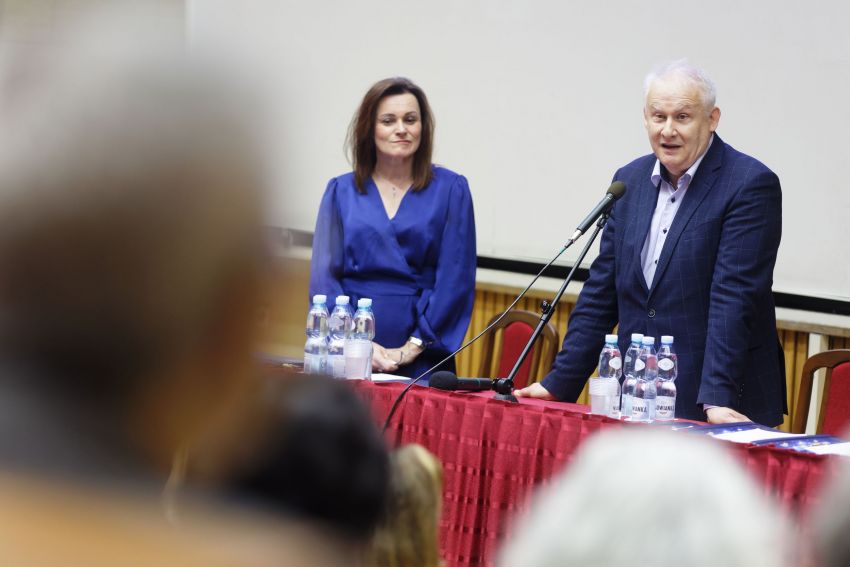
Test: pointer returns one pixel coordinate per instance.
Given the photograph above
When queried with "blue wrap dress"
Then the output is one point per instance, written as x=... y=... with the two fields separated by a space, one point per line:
x=418 y=267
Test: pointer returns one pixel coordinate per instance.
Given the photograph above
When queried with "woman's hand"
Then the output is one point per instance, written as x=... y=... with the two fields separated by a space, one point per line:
x=382 y=360
x=404 y=354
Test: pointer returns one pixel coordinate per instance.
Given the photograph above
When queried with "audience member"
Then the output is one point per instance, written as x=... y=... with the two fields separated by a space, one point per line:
x=325 y=461
x=649 y=497
x=408 y=533
x=830 y=520
x=131 y=262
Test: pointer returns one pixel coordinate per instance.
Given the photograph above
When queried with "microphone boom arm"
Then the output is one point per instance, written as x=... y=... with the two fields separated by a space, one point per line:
x=504 y=386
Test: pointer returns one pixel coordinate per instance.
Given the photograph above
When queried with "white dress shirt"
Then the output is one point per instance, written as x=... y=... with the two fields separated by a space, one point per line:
x=669 y=199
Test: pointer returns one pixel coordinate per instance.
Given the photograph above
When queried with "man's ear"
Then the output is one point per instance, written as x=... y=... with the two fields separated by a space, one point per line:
x=714 y=118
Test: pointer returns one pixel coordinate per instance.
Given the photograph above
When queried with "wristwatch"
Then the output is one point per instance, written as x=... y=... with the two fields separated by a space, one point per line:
x=417 y=342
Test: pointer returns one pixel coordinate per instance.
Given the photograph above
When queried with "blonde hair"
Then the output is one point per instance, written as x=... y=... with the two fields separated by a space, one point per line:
x=408 y=533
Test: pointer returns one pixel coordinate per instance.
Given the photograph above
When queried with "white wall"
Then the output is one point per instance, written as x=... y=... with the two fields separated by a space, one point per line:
x=538 y=102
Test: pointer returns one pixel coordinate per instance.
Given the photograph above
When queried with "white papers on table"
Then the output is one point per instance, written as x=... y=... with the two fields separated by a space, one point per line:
x=834 y=449
x=755 y=434
x=379 y=377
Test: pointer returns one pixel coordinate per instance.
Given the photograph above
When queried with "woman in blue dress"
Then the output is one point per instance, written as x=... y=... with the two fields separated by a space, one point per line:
x=400 y=230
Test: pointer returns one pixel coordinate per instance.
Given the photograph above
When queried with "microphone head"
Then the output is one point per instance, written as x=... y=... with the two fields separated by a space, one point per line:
x=617 y=189
x=444 y=380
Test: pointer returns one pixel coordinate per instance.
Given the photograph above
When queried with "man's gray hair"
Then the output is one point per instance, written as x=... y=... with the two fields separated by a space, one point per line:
x=682 y=69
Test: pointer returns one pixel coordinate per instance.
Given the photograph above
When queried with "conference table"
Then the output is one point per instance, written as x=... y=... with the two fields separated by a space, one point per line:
x=495 y=454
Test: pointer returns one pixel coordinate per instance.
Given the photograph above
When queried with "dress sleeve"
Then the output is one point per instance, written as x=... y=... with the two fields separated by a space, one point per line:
x=444 y=312
x=328 y=250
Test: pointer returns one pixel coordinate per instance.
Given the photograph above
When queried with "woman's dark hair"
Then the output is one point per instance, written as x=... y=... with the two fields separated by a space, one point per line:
x=325 y=459
x=361 y=132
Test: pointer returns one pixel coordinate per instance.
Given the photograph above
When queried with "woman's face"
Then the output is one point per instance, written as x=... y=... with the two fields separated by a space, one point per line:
x=398 y=126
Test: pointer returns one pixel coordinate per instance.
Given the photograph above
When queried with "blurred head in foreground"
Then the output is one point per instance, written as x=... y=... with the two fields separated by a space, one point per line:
x=831 y=519
x=130 y=253
x=324 y=460
x=651 y=498
x=408 y=533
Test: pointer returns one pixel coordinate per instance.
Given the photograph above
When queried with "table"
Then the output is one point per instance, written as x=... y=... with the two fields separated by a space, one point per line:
x=495 y=453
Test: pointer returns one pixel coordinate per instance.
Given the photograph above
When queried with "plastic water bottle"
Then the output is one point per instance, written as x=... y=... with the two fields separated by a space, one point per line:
x=340 y=325
x=316 y=347
x=668 y=368
x=629 y=378
x=358 y=348
x=605 y=388
x=646 y=372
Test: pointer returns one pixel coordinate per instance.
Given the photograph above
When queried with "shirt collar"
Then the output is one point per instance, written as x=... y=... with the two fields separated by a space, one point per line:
x=685 y=180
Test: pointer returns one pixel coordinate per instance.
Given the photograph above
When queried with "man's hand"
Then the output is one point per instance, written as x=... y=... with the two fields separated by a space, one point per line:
x=536 y=390
x=724 y=415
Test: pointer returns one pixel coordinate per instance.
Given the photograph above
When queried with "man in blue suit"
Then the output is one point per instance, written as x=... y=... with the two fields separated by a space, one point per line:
x=688 y=251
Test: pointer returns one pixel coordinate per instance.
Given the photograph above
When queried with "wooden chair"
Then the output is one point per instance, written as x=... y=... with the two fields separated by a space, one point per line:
x=512 y=333
x=834 y=414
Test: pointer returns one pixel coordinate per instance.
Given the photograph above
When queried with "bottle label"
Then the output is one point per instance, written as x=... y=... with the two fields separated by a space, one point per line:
x=665 y=364
x=616 y=363
x=615 y=407
x=665 y=408
x=639 y=365
x=640 y=410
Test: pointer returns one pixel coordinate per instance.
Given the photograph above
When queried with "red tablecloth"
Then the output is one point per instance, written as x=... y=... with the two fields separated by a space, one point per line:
x=494 y=454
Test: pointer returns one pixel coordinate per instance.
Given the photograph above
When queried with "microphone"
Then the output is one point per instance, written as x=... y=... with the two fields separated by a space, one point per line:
x=445 y=380
x=615 y=191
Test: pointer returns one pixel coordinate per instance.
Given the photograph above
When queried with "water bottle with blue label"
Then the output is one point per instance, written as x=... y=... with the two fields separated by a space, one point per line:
x=668 y=367
x=605 y=388
x=646 y=372
x=316 y=347
x=629 y=377
x=340 y=325
x=358 y=348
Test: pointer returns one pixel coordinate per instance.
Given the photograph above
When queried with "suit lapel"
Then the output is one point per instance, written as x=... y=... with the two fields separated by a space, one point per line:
x=645 y=209
x=697 y=191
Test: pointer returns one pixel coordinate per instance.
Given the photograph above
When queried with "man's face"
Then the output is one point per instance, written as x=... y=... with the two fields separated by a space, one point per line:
x=678 y=123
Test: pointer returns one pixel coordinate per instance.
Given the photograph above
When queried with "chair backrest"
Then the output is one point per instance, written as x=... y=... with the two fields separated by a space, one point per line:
x=834 y=413
x=513 y=333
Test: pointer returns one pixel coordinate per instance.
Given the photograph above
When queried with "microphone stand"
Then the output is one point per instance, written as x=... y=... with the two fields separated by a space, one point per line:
x=505 y=386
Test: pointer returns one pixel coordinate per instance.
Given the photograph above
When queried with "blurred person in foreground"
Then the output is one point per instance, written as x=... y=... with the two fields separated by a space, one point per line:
x=401 y=231
x=324 y=461
x=830 y=519
x=408 y=535
x=131 y=262
x=688 y=251
x=687 y=502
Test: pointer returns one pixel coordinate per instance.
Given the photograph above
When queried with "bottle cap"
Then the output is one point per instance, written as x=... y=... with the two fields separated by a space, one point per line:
x=364 y=302
x=320 y=298
x=610 y=338
x=649 y=340
x=342 y=299
x=666 y=339
x=637 y=337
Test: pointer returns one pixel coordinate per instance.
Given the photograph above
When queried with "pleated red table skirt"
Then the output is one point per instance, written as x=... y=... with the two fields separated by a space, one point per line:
x=495 y=453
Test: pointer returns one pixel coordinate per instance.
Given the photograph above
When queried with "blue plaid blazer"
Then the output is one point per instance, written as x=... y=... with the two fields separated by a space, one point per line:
x=711 y=290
